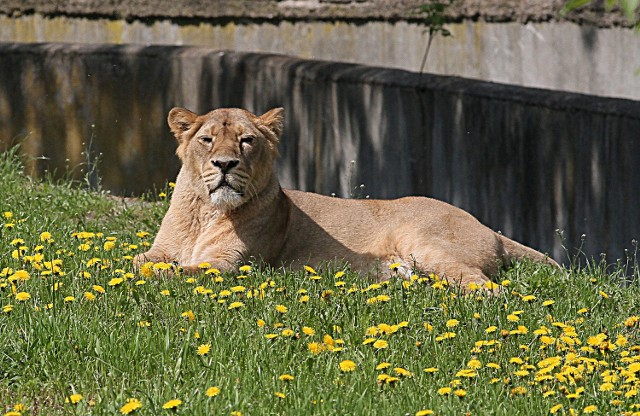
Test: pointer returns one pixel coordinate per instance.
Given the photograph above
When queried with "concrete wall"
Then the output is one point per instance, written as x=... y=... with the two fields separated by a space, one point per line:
x=517 y=42
x=524 y=161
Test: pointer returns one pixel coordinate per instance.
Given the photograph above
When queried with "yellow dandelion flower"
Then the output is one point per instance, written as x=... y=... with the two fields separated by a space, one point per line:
x=512 y=318
x=315 y=348
x=403 y=372
x=21 y=275
x=235 y=305
x=279 y=395
x=271 y=336
x=304 y=299
x=308 y=331
x=245 y=269
x=518 y=391
x=548 y=302
x=443 y=391
x=172 y=404
x=460 y=392
x=288 y=332
x=380 y=344
x=491 y=329
x=115 y=281
x=631 y=321
x=590 y=409
x=281 y=309
x=204 y=349
x=73 y=399
x=495 y=366
x=606 y=387
x=339 y=275
x=583 y=311
x=130 y=406
x=22 y=296
x=189 y=315
x=424 y=412
x=286 y=377
x=162 y=266
x=69 y=299
x=452 y=323
x=474 y=364
x=603 y=294
x=431 y=370
x=555 y=409
x=446 y=335
x=394 y=266
x=383 y=366
x=466 y=373
x=212 y=391
x=528 y=298
x=388 y=379
x=310 y=269
x=347 y=366
x=165 y=292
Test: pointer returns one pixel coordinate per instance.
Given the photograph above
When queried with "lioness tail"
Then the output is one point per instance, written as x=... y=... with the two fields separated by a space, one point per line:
x=515 y=251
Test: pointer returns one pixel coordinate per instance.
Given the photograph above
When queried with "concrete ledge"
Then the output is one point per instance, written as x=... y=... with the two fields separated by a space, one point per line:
x=273 y=10
x=524 y=161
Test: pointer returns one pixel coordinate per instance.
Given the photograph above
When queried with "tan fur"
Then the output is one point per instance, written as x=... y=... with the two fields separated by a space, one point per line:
x=253 y=219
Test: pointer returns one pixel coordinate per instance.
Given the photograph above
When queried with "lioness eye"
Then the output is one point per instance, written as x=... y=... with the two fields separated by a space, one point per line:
x=247 y=140
x=206 y=139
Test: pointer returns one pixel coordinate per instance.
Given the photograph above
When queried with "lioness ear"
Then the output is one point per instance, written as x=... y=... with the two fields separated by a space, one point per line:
x=274 y=120
x=180 y=120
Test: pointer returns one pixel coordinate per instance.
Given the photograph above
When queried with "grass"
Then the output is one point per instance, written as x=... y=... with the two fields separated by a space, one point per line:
x=77 y=324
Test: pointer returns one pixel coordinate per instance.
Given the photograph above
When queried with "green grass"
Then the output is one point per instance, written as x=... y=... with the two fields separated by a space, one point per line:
x=136 y=340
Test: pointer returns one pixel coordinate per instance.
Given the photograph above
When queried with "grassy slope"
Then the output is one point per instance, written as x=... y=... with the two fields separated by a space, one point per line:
x=137 y=341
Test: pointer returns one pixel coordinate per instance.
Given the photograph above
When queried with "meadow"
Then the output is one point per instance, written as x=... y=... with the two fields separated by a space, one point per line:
x=82 y=332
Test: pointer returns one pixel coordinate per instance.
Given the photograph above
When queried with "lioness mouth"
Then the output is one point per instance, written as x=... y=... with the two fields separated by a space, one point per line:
x=223 y=184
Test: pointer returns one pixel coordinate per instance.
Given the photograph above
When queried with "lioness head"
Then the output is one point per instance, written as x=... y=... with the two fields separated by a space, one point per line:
x=229 y=152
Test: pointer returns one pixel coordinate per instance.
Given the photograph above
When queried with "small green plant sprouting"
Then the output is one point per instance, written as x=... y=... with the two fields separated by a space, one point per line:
x=434 y=18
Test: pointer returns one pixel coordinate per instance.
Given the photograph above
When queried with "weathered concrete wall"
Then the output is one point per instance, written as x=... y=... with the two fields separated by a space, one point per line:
x=517 y=42
x=524 y=161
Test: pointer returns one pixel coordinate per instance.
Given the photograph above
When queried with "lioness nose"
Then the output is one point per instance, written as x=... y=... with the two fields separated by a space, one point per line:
x=225 y=165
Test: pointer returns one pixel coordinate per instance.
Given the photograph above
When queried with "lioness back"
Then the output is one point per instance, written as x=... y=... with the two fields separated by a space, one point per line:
x=363 y=230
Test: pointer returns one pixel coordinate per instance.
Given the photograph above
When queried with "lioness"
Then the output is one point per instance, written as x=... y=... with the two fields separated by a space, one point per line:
x=228 y=208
